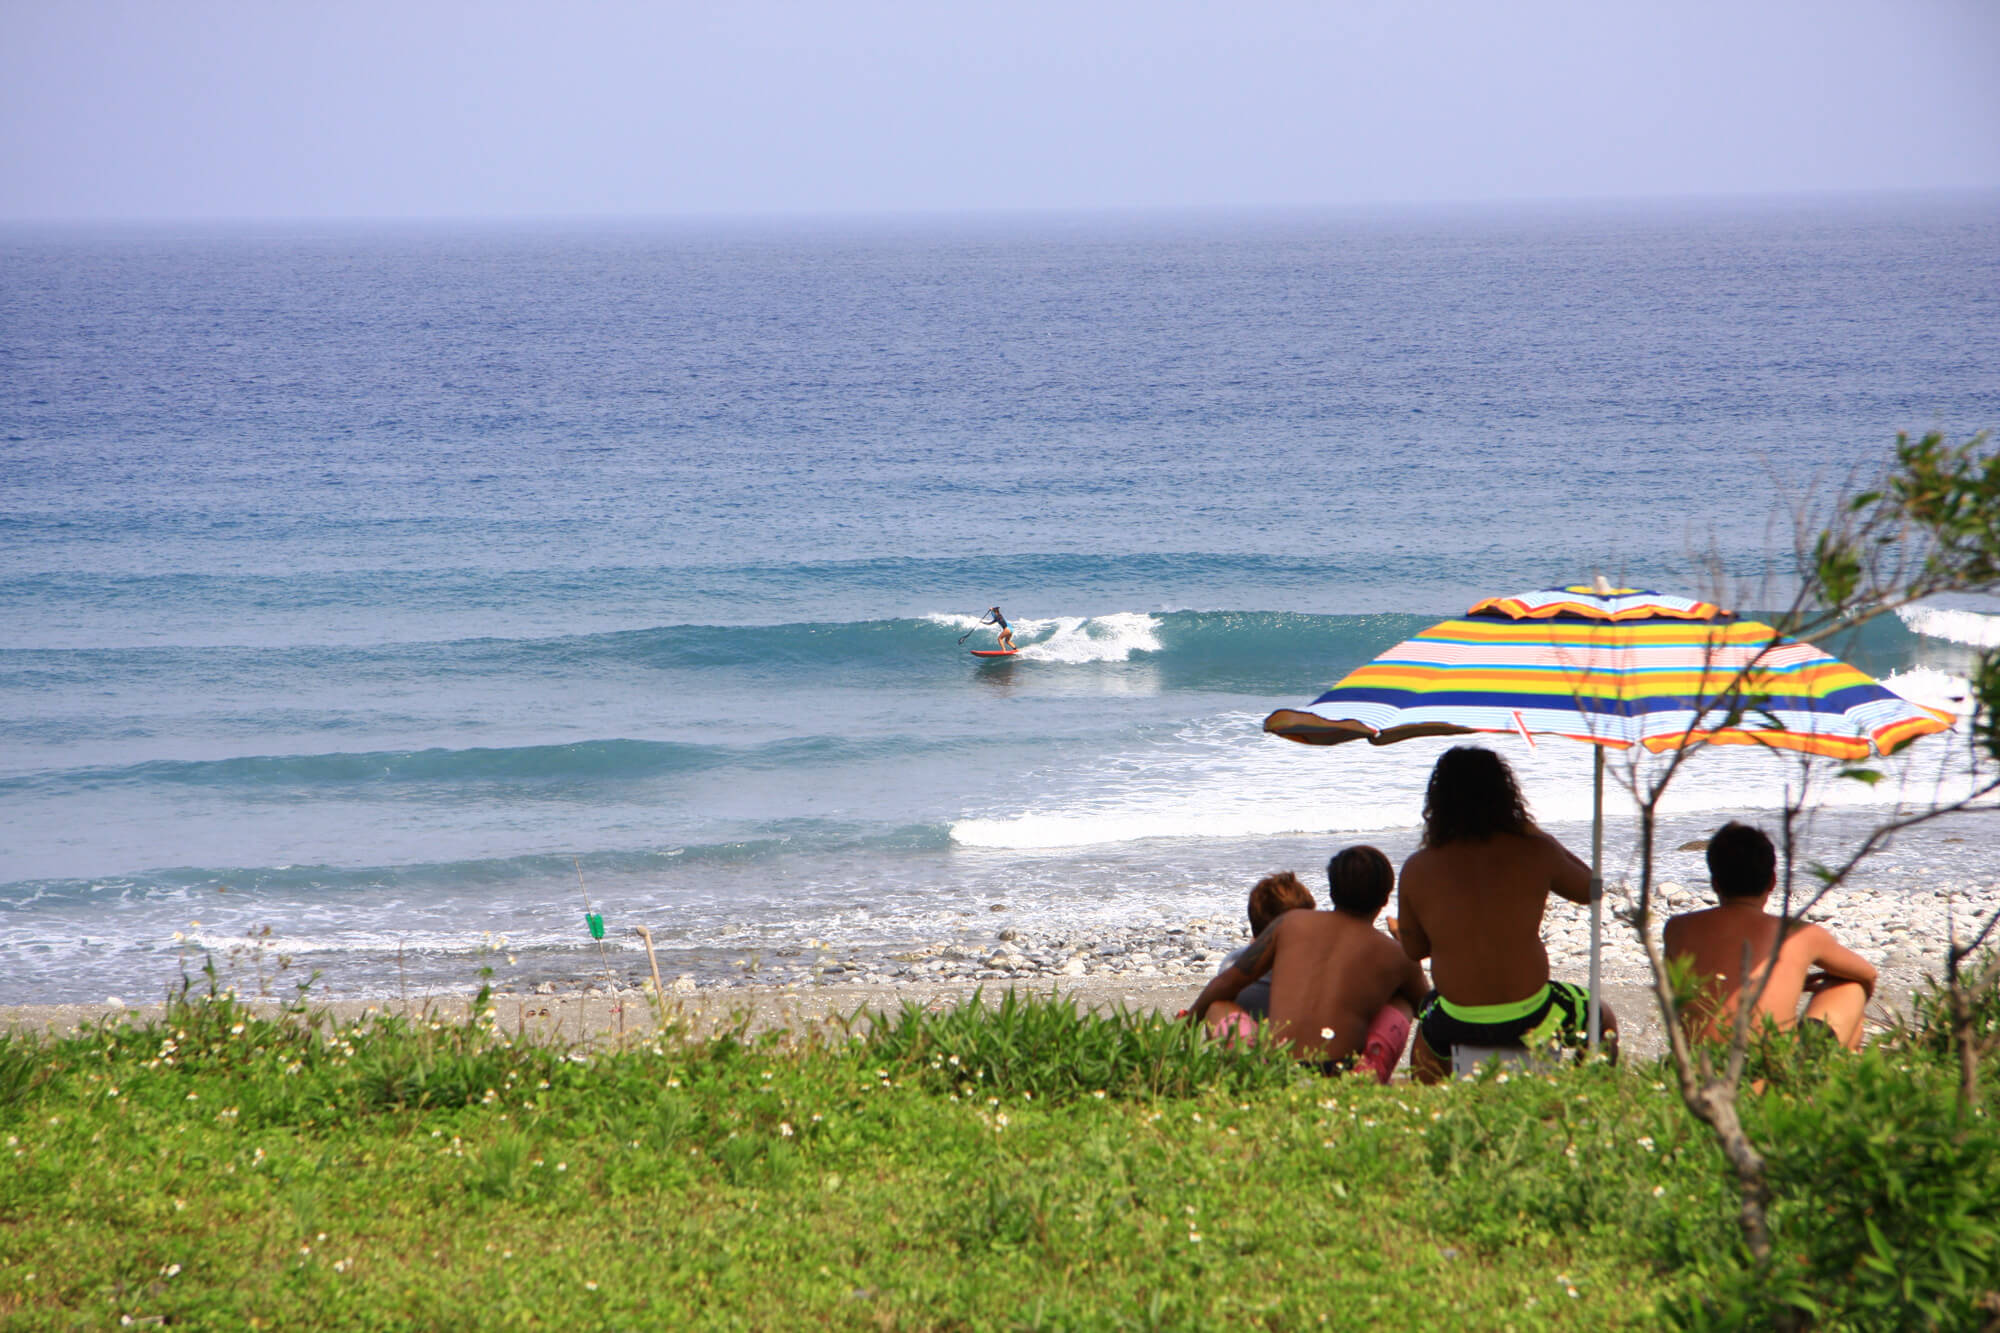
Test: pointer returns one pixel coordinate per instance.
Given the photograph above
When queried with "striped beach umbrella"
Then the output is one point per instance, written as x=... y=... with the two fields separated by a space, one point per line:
x=1614 y=668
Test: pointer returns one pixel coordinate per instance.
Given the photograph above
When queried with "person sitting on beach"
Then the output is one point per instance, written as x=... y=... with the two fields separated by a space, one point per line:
x=1743 y=868
x=1006 y=636
x=1339 y=987
x=1473 y=895
x=1270 y=898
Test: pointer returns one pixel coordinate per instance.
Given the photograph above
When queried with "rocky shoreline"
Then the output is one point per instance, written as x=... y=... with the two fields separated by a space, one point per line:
x=1904 y=934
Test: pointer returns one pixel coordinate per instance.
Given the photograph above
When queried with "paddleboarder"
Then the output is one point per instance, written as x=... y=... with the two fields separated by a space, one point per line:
x=993 y=617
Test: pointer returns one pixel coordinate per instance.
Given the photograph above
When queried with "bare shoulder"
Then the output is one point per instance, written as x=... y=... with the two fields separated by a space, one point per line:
x=1549 y=851
x=1417 y=871
x=1381 y=942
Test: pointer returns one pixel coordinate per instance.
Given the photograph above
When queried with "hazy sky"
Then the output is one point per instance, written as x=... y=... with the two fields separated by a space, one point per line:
x=298 y=108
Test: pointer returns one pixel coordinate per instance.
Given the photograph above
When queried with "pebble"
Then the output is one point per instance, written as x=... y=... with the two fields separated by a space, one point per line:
x=1902 y=931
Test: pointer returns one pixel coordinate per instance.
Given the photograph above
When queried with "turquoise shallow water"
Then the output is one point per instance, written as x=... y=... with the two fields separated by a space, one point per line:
x=363 y=582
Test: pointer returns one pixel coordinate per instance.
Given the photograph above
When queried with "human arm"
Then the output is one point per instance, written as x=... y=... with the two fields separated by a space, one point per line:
x=1409 y=929
x=1252 y=963
x=1837 y=961
x=1569 y=876
x=1413 y=986
x=1410 y=932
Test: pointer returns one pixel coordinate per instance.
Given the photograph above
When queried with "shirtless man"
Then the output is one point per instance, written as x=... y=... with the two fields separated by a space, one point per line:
x=1338 y=985
x=1472 y=901
x=1743 y=867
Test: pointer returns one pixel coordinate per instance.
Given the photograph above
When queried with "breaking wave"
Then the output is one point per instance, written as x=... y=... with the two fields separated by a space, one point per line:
x=1967 y=627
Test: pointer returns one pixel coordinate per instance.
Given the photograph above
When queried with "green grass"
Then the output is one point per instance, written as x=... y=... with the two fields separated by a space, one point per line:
x=1067 y=1172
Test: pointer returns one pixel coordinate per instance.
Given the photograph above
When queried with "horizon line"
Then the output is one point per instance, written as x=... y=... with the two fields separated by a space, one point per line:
x=948 y=213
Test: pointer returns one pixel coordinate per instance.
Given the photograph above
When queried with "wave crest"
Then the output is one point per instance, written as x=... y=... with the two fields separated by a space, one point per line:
x=1932 y=688
x=1969 y=627
x=1074 y=640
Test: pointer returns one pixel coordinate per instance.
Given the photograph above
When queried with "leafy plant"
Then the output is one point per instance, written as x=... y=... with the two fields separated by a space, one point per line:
x=1889 y=1207
x=1931 y=1021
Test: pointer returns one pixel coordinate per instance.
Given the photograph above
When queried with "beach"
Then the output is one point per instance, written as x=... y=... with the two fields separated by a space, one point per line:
x=1138 y=969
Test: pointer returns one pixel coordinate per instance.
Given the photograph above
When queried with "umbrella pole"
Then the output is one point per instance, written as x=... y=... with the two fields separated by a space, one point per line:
x=1596 y=1024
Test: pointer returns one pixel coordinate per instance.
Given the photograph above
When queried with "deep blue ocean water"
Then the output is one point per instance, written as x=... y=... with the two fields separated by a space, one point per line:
x=363 y=582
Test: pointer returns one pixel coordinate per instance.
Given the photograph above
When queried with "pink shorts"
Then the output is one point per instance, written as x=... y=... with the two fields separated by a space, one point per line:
x=1237 y=1026
x=1387 y=1036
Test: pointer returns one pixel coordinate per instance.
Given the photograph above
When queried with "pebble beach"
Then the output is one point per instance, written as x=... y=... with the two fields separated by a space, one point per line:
x=1138 y=968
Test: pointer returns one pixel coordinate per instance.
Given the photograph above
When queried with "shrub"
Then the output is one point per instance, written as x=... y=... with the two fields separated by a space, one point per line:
x=1930 y=1024
x=1887 y=1212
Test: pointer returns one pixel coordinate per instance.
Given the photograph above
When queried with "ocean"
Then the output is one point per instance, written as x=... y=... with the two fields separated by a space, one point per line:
x=373 y=593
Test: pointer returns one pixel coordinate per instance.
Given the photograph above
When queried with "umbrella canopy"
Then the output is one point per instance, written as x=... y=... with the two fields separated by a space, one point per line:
x=1616 y=668
x=1613 y=667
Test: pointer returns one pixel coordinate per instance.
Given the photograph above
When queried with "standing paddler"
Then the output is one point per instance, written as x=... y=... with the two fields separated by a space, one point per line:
x=993 y=617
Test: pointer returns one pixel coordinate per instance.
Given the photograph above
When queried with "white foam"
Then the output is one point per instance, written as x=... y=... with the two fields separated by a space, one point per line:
x=1936 y=622
x=1114 y=638
x=1222 y=778
x=1933 y=689
x=389 y=942
x=1074 y=640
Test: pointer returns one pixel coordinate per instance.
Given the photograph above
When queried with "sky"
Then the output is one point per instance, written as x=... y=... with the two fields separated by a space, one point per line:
x=278 y=109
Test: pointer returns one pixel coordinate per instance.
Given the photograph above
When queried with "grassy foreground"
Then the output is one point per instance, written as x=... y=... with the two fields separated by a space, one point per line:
x=1030 y=1168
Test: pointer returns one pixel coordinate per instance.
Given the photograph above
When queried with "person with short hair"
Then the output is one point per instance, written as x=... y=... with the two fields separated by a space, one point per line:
x=1473 y=895
x=1810 y=964
x=1340 y=988
x=1270 y=898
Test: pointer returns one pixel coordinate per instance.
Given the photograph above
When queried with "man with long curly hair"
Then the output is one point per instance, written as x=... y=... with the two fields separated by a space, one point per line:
x=1472 y=898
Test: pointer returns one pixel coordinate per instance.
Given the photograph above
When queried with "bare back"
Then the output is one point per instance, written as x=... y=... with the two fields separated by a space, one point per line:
x=1474 y=908
x=1333 y=970
x=1714 y=940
